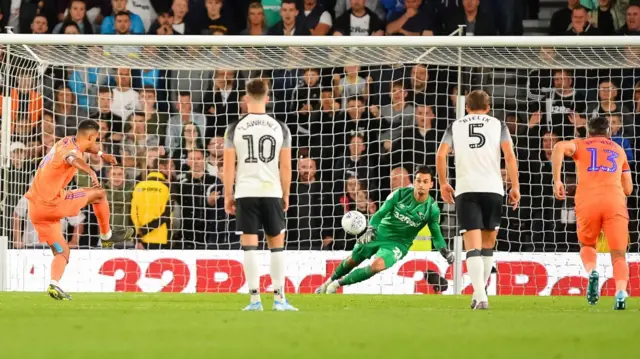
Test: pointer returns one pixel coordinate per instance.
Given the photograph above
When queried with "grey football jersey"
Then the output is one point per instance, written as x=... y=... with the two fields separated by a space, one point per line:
x=476 y=141
x=257 y=139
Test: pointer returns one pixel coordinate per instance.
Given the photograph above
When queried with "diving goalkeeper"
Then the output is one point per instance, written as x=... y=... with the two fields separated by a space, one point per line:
x=391 y=232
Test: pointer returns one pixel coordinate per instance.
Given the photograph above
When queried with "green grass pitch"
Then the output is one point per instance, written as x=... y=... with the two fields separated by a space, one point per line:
x=176 y=326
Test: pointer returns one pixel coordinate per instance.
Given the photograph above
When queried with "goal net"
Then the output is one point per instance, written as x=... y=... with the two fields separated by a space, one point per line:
x=364 y=113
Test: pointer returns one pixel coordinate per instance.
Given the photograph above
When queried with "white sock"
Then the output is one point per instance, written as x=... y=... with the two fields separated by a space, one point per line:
x=277 y=273
x=475 y=269
x=487 y=259
x=251 y=272
x=54 y=282
x=106 y=236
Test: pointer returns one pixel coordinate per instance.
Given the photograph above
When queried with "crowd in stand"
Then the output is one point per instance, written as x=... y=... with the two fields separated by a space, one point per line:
x=359 y=132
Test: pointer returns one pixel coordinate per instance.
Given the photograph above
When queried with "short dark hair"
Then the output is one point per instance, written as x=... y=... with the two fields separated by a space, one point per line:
x=134 y=115
x=256 y=88
x=356 y=98
x=598 y=126
x=477 y=100
x=290 y=2
x=398 y=83
x=123 y=13
x=184 y=93
x=69 y=23
x=88 y=125
x=104 y=89
x=425 y=170
x=580 y=7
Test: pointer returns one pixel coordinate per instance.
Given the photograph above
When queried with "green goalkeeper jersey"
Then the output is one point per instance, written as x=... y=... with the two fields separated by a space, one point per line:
x=401 y=217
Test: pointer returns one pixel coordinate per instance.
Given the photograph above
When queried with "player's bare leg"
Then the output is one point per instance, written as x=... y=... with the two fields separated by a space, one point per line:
x=60 y=260
x=589 y=255
x=276 y=267
x=97 y=197
x=488 y=243
x=250 y=246
x=621 y=276
x=475 y=267
x=358 y=275
x=343 y=269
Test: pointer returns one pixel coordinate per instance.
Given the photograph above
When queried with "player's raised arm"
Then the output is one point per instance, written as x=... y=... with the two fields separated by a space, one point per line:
x=229 y=172
x=511 y=164
x=285 y=166
x=96 y=150
x=446 y=191
x=560 y=150
x=83 y=166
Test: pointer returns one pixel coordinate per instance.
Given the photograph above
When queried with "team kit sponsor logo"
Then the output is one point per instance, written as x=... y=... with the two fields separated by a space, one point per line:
x=222 y=272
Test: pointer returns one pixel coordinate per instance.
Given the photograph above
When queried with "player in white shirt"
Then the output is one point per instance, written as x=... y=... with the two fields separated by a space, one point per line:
x=262 y=147
x=477 y=140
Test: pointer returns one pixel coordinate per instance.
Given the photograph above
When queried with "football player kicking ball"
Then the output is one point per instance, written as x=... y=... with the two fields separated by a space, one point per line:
x=391 y=232
x=604 y=182
x=49 y=201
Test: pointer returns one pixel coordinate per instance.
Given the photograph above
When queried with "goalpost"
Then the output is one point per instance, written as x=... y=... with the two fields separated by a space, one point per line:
x=172 y=96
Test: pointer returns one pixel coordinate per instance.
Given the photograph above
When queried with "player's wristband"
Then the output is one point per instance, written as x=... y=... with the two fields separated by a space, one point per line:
x=100 y=154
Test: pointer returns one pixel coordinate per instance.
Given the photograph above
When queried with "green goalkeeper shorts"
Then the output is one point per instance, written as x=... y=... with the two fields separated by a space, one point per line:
x=389 y=251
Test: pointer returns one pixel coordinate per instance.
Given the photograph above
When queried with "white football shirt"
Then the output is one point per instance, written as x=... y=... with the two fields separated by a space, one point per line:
x=258 y=139
x=475 y=140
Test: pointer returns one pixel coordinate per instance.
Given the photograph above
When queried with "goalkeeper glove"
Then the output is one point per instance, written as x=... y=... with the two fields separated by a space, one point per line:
x=448 y=255
x=368 y=235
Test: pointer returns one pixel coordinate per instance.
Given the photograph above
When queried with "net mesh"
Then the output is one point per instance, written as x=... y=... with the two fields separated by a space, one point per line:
x=362 y=119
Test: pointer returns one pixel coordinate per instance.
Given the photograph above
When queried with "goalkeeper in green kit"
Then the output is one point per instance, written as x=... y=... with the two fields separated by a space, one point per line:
x=391 y=232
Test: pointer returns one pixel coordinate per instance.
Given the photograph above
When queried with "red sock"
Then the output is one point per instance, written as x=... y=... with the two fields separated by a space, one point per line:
x=57 y=266
x=588 y=256
x=620 y=273
x=101 y=209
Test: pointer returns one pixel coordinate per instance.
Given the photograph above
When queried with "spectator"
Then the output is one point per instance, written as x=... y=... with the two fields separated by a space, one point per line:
x=136 y=26
x=358 y=21
x=308 y=218
x=272 y=11
x=40 y=25
x=343 y=6
x=215 y=150
x=632 y=26
x=609 y=105
x=580 y=24
x=561 y=19
x=163 y=24
x=564 y=108
x=84 y=82
x=105 y=114
x=192 y=140
x=184 y=116
x=125 y=98
x=411 y=22
x=221 y=102
x=356 y=123
x=25 y=100
x=156 y=121
x=354 y=159
x=291 y=23
x=180 y=26
x=77 y=13
x=70 y=28
x=256 y=21
x=477 y=22
x=351 y=84
x=216 y=21
x=66 y=113
x=151 y=212
x=417 y=146
x=25 y=235
x=399 y=179
x=427 y=90
x=200 y=194
x=316 y=18
x=617 y=137
x=119 y=193
x=397 y=115
x=609 y=16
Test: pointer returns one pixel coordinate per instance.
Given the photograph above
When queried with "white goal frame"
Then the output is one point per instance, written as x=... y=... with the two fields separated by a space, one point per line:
x=464 y=52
